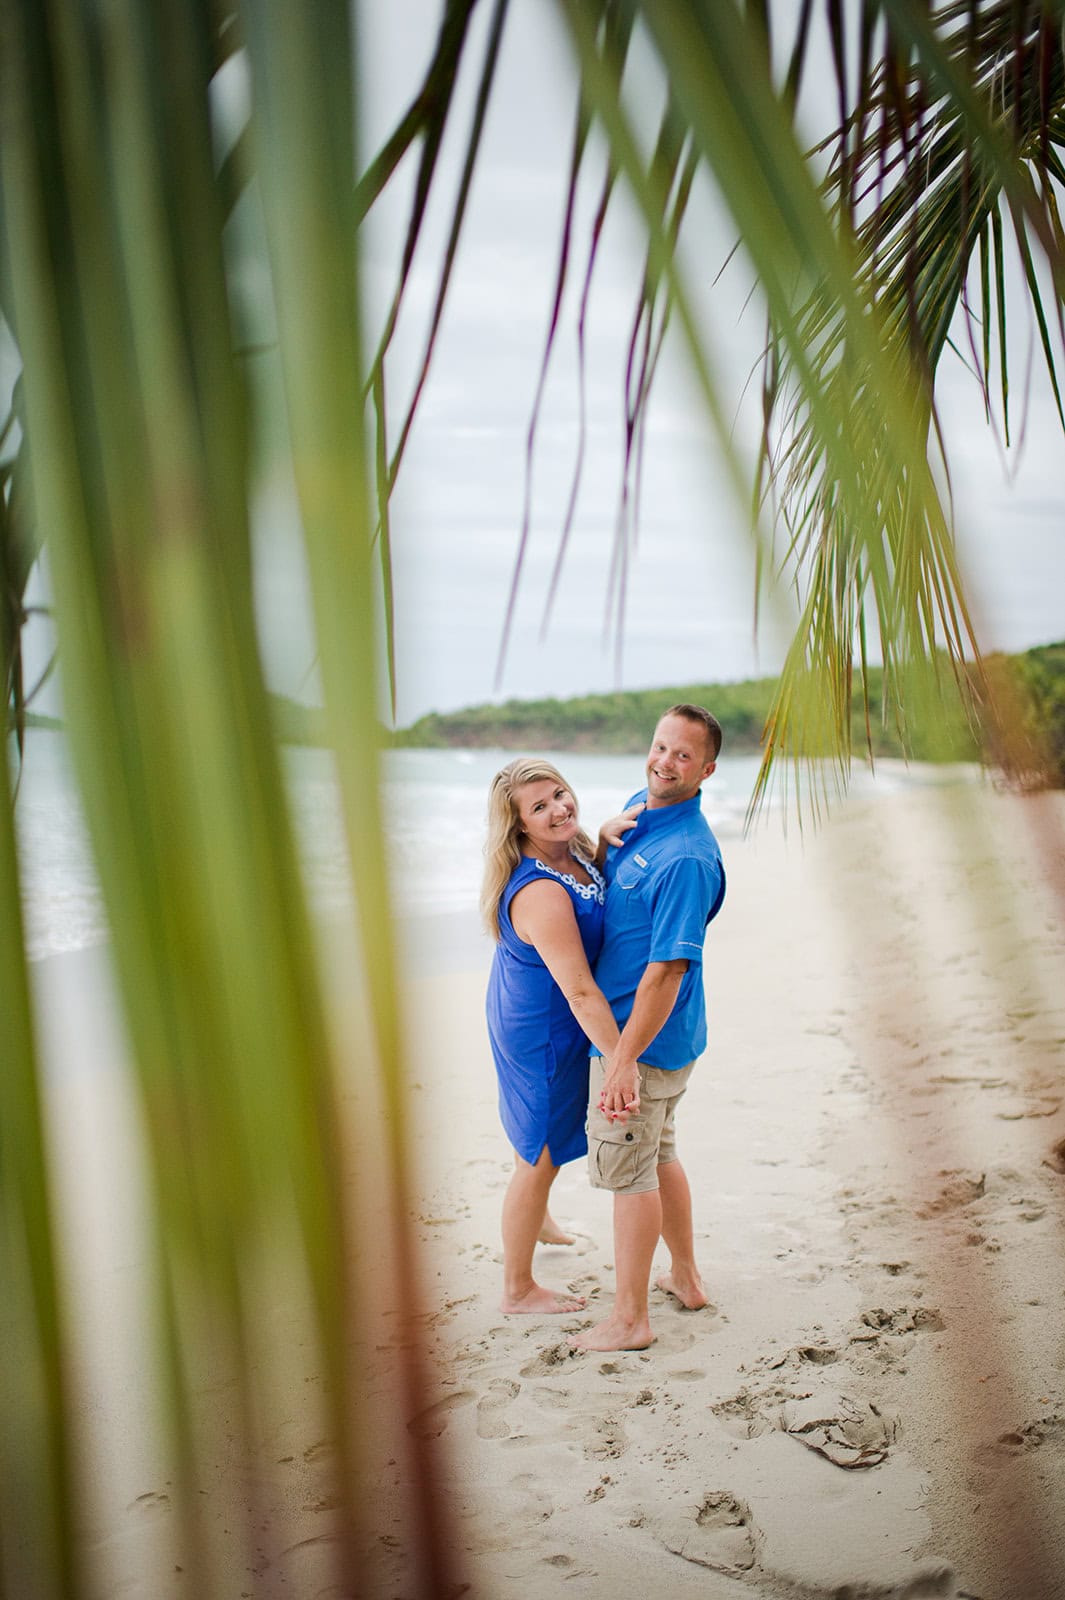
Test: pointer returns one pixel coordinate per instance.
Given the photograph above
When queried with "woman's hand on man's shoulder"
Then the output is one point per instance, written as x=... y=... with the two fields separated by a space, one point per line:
x=613 y=831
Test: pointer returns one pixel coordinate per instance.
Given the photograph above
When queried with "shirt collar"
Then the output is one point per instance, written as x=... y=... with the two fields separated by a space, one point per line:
x=654 y=817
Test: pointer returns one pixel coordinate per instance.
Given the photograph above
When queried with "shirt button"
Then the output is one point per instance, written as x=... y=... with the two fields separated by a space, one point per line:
x=629 y=1136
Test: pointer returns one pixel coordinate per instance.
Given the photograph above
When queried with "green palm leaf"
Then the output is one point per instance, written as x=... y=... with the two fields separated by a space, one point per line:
x=135 y=469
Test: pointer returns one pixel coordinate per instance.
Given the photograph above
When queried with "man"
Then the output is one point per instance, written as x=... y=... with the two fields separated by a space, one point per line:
x=665 y=882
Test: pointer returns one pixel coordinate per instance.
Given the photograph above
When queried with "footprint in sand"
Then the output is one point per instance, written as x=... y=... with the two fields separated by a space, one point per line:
x=715 y=1532
x=885 y=1337
x=1046 y=1430
x=150 y=1502
x=672 y=1339
x=608 y=1441
x=744 y=1415
x=849 y=1433
x=548 y=1361
x=321 y=1451
x=1020 y=1110
x=537 y=1504
x=587 y=1284
x=936 y=1582
x=491 y=1424
x=1056 y=1159
x=817 y=1355
x=878 y=1322
x=431 y=1422
x=960 y=1190
x=622 y=1366
x=552 y=1399
x=813 y=1355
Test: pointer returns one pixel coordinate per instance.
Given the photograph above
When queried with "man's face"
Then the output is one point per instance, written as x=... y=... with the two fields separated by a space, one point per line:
x=677 y=762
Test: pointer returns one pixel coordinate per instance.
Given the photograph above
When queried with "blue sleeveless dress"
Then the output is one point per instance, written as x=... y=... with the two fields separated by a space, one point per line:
x=540 y=1050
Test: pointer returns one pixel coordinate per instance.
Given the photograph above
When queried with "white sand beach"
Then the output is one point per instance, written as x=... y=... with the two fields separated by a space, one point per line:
x=875 y=1404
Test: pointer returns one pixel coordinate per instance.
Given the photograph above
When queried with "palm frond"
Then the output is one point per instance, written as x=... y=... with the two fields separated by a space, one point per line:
x=136 y=421
x=38 y=1491
x=615 y=32
x=948 y=132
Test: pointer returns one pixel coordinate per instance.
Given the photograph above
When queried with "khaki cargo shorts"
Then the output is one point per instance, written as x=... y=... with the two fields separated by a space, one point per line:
x=625 y=1156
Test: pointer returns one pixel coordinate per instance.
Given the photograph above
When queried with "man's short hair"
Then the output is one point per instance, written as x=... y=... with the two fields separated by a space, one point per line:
x=707 y=721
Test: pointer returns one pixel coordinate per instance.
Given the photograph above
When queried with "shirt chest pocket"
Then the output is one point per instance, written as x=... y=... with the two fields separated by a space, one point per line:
x=630 y=882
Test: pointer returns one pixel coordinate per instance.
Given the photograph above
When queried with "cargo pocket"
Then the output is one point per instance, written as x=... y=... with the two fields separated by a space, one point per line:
x=614 y=1152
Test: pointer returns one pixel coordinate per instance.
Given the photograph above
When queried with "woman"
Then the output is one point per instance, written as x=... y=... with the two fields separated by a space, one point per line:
x=543 y=904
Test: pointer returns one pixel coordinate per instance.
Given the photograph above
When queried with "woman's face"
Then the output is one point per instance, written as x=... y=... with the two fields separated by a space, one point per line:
x=548 y=813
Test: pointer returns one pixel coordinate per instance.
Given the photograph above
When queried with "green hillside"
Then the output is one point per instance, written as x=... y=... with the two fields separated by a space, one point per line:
x=621 y=721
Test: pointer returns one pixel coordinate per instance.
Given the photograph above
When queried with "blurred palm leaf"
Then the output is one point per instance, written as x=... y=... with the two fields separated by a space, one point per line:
x=134 y=413
x=952 y=124
x=135 y=416
x=37 y=1491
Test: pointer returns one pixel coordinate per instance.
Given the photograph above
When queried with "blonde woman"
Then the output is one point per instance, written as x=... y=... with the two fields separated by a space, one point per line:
x=542 y=902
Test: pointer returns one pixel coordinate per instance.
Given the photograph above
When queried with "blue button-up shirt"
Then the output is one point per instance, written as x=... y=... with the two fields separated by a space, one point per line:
x=665 y=883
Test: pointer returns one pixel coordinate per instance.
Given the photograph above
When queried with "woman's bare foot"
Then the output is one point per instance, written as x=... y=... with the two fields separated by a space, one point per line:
x=551 y=1233
x=687 y=1287
x=614 y=1333
x=538 y=1301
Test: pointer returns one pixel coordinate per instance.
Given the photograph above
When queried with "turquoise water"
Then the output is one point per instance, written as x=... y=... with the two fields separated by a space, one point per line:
x=435 y=806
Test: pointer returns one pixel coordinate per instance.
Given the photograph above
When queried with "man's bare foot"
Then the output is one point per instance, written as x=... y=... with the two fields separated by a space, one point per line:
x=685 y=1287
x=551 y=1233
x=614 y=1333
x=539 y=1301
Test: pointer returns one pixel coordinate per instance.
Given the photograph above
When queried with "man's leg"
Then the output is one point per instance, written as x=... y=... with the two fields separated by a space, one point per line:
x=624 y=1159
x=637 y=1226
x=682 y=1279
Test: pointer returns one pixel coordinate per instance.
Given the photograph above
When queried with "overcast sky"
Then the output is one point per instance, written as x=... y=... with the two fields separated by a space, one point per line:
x=457 y=511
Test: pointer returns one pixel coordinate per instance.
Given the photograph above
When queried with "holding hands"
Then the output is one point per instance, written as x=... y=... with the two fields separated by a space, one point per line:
x=621 y=1091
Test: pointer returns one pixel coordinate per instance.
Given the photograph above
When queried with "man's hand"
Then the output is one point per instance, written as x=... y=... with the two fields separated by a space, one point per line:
x=621 y=1091
x=613 y=831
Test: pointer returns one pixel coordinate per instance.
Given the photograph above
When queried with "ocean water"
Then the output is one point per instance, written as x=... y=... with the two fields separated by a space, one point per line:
x=434 y=802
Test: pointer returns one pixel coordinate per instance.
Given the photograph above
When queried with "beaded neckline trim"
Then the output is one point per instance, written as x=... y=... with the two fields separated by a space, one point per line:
x=596 y=890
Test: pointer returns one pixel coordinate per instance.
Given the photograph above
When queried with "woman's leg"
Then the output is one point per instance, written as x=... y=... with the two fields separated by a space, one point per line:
x=524 y=1216
x=551 y=1232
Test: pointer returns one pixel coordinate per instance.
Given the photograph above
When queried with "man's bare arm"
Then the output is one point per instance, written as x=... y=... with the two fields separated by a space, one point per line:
x=654 y=1000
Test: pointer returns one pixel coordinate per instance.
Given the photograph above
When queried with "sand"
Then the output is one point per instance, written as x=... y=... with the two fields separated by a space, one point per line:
x=874 y=1404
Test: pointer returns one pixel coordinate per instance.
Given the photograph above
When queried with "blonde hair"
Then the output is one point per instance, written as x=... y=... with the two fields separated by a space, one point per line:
x=502 y=849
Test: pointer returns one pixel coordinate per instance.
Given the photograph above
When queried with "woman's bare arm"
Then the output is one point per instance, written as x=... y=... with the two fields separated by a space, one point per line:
x=542 y=914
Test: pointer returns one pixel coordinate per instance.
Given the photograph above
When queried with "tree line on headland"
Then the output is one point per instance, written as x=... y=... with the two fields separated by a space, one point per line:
x=619 y=721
